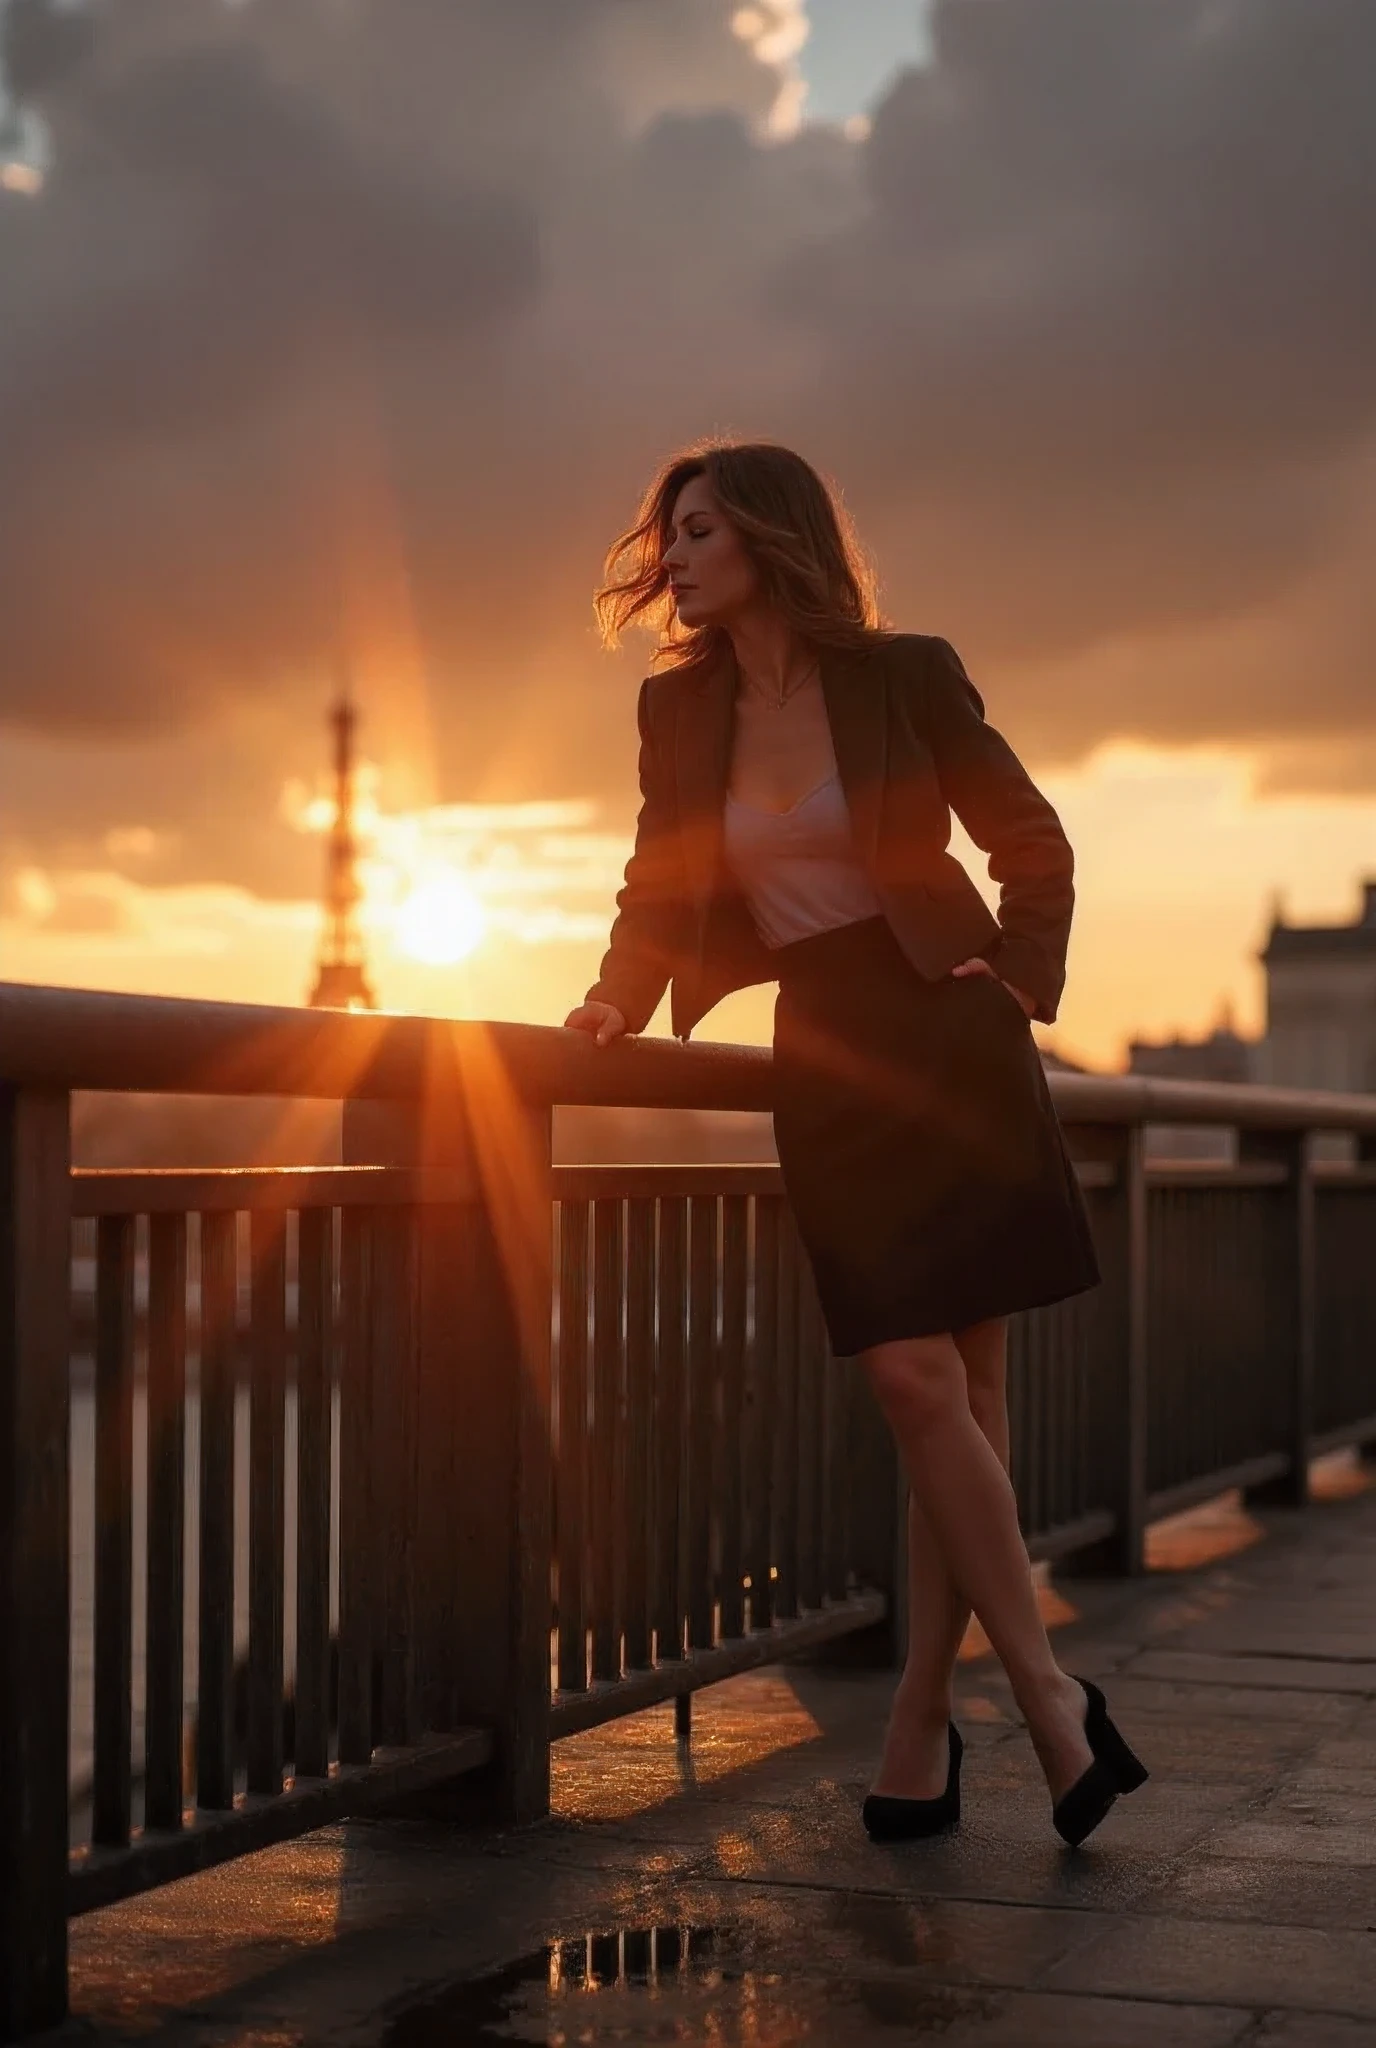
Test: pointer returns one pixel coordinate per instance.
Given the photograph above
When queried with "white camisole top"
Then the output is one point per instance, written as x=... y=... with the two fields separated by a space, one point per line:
x=798 y=869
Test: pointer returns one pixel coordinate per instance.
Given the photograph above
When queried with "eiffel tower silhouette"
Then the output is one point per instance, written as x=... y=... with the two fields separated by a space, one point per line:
x=341 y=981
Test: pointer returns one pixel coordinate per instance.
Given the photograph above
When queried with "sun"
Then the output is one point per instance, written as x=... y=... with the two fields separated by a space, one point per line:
x=440 y=920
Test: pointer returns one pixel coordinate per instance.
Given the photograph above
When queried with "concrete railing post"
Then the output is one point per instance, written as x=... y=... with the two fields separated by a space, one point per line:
x=35 y=1322
x=1118 y=1386
x=1366 y=1156
x=1289 y=1282
x=878 y=1511
x=482 y=1355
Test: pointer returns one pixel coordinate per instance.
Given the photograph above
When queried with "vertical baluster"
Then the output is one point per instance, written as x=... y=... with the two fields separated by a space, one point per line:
x=1117 y=1423
x=1289 y=1287
x=838 y=1380
x=1058 y=1339
x=1198 y=1402
x=702 y=1350
x=1167 y=1346
x=218 y=1359
x=761 y=1412
x=166 y=1510
x=1018 y=1341
x=1219 y=1431
x=1044 y=1429
x=572 y=1468
x=314 y=1333
x=1359 y=1276
x=640 y=1340
x=267 y=1471
x=1074 y=1336
x=733 y=1282
x=668 y=1574
x=786 y=1441
x=1164 y=1343
x=823 y=1445
x=1037 y=1383
x=445 y=1283
x=877 y=1521
x=608 y=1451
x=1198 y=1388
x=1061 y=1422
x=357 y=1533
x=114 y=1526
x=393 y=1349
x=809 y=1504
x=1225 y=1365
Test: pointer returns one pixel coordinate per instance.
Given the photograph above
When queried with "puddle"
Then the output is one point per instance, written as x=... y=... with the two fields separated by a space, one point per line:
x=685 y=1982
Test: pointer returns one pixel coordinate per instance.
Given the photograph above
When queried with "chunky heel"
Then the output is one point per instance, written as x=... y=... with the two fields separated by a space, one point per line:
x=889 y=1819
x=1127 y=1771
x=1115 y=1769
x=1079 y=1811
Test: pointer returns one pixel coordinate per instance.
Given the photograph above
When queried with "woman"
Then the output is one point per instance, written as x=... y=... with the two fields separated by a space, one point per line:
x=798 y=767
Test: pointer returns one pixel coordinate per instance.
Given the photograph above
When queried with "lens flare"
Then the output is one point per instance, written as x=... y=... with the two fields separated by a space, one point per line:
x=440 y=920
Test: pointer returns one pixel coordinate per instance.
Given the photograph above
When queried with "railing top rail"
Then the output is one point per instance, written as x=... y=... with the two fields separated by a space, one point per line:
x=93 y=1039
x=1142 y=1099
x=178 y=1191
x=84 y=1038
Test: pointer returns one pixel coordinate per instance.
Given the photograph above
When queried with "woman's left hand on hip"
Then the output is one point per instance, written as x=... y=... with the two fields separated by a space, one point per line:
x=979 y=965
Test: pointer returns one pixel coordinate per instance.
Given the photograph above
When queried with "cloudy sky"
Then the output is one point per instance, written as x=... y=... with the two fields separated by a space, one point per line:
x=350 y=329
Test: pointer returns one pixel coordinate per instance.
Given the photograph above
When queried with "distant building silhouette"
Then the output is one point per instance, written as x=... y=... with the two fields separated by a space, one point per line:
x=1223 y=1056
x=341 y=981
x=1321 y=1002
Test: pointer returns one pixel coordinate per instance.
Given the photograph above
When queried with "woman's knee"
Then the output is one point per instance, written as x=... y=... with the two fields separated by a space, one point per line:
x=916 y=1380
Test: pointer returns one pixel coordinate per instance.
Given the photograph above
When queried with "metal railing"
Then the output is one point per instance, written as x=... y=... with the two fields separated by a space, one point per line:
x=385 y=1475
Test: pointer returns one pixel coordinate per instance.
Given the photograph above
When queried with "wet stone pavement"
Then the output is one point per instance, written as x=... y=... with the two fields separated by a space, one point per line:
x=728 y=1894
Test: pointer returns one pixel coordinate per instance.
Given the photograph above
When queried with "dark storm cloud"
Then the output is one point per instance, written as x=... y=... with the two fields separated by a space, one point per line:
x=1087 y=329
x=1116 y=306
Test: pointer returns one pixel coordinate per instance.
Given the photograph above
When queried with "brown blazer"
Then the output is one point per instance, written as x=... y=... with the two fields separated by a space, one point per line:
x=912 y=745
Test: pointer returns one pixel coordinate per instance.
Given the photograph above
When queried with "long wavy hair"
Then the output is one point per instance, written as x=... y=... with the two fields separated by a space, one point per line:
x=793 y=526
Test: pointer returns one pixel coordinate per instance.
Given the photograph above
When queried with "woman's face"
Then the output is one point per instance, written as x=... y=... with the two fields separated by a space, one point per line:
x=711 y=576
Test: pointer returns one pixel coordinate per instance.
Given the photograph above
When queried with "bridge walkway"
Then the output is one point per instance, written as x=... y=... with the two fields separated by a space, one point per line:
x=727 y=1892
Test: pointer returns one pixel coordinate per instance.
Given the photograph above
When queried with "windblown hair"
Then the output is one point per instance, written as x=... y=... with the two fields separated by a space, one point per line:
x=792 y=525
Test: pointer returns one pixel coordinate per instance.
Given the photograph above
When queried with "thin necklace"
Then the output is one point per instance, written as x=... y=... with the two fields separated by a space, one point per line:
x=778 y=703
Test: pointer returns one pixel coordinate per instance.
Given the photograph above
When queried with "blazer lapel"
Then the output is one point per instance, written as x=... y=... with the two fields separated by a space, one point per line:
x=853 y=692
x=703 y=734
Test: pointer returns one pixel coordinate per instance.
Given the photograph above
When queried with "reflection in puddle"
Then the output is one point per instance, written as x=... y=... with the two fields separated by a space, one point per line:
x=691 y=1983
x=628 y=1766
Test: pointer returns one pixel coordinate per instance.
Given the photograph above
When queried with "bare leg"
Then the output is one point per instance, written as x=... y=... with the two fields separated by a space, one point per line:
x=914 y=1761
x=968 y=1502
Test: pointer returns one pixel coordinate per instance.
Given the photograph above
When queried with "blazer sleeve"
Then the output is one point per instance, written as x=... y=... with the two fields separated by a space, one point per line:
x=645 y=944
x=1008 y=818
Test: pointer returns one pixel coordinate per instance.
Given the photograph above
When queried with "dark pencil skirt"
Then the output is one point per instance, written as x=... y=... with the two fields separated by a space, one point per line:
x=919 y=1145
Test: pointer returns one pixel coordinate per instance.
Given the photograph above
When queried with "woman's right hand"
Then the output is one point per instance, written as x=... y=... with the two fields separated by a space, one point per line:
x=603 y=1020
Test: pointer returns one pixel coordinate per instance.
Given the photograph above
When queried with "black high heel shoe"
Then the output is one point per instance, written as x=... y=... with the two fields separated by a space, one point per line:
x=1115 y=1769
x=889 y=1819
